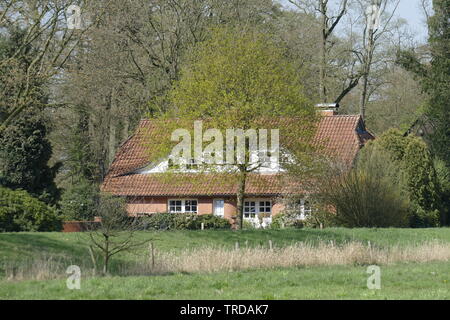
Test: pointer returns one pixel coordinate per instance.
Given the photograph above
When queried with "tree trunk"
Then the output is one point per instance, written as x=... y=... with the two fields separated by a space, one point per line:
x=323 y=54
x=240 y=199
x=366 y=72
x=107 y=256
x=112 y=130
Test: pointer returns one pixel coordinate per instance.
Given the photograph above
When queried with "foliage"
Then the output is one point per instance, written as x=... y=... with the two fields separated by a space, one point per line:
x=412 y=169
x=365 y=199
x=368 y=195
x=443 y=176
x=287 y=219
x=79 y=201
x=159 y=221
x=183 y=221
x=24 y=155
x=434 y=77
x=21 y=212
x=239 y=78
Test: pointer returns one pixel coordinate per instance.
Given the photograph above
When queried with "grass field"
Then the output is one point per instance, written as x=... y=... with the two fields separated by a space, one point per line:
x=404 y=281
x=400 y=281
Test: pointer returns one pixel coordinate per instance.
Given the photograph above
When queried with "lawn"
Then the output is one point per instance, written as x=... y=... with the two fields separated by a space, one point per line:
x=405 y=280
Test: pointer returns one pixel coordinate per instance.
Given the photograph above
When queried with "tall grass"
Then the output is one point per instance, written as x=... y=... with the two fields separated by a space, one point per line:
x=217 y=259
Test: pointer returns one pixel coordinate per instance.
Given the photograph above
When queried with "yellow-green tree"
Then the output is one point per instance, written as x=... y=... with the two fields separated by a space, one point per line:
x=241 y=79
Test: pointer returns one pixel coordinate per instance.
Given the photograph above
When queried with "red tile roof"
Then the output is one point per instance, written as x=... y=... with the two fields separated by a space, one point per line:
x=339 y=136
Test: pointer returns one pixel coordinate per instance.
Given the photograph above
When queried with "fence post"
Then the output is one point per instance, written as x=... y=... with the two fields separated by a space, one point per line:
x=203 y=226
x=270 y=245
x=152 y=253
x=91 y=253
x=237 y=245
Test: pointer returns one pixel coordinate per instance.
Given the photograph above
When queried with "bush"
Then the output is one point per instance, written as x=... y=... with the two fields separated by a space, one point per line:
x=367 y=196
x=183 y=221
x=286 y=220
x=21 y=212
x=78 y=202
x=414 y=172
x=419 y=218
x=159 y=221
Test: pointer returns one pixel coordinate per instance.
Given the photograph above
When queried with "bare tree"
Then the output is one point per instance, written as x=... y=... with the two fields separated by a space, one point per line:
x=377 y=23
x=116 y=231
x=51 y=41
x=328 y=23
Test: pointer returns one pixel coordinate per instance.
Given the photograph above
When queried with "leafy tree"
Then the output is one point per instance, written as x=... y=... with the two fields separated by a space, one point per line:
x=434 y=78
x=24 y=155
x=79 y=201
x=415 y=174
x=239 y=78
x=21 y=212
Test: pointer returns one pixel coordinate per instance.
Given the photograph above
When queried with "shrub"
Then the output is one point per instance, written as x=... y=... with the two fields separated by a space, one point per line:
x=183 y=221
x=367 y=196
x=419 y=218
x=78 y=203
x=286 y=219
x=415 y=173
x=213 y=222
x=363 y=199
x=159 y=221
x=21 y=212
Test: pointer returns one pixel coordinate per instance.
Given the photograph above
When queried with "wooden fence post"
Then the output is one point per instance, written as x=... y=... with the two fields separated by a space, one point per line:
x=152 y=254
x=91 y=253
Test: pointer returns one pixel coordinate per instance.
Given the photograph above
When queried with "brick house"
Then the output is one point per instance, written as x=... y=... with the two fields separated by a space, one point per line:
x=130 y=176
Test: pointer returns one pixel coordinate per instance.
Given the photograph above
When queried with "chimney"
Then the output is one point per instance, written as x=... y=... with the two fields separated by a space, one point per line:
x=328 y=109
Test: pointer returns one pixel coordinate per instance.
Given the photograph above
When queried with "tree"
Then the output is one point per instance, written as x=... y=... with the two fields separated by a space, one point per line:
x=116 y=232
x=43 y=47
x=374 y=28
x=433 y=76
x=25 y=152
x=241 y=80
x=415 y=173
x=328 y=23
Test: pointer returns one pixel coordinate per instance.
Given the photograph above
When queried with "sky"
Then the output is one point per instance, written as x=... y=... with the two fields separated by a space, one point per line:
x=411 y=11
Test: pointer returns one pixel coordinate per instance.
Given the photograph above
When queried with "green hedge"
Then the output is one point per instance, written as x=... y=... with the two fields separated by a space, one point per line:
x=183 y=221
x=21 y=212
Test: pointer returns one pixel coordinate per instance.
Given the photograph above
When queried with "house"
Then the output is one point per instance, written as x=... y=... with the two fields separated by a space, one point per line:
x=130 y=175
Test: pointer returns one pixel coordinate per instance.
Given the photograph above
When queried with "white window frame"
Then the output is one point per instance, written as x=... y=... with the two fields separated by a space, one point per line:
x=257 y=208
x=301 y=207
x=214 y=207
x=183 y=206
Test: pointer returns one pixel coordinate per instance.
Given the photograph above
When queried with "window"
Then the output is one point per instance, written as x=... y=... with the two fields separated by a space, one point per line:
x=253 y=208
x=249 y=209
x=303 y=208
x=219 y=205
x=183 y=206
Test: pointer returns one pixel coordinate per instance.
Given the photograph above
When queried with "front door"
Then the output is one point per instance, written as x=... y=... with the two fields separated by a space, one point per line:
x=219 y=205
